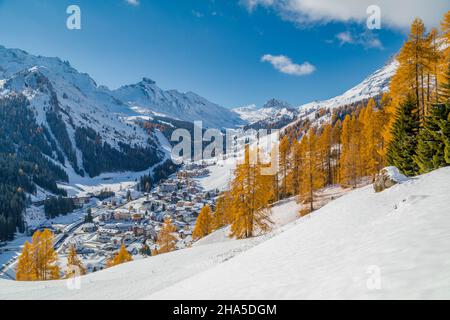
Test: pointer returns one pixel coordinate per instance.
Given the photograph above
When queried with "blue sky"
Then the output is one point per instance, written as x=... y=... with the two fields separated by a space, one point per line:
x=211 y=47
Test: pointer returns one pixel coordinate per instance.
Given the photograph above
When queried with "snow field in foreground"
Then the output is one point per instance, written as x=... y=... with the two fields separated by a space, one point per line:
x=399 y=239
x=394 y=244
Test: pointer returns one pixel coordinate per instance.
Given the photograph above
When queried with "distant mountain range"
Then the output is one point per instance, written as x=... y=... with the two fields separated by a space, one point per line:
x=271 y=108
x=147 y=98
x=374 y=85
x=87 y=123
x=91 y=128
x=275 y=112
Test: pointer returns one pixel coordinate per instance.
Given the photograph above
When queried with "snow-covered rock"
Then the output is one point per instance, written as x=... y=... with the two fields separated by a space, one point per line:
x=388 y=177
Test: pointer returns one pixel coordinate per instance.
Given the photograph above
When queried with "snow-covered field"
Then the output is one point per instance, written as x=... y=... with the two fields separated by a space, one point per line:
x=393 y=244
x=219 y=177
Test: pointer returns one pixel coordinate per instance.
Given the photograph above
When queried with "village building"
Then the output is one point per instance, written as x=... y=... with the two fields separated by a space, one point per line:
x=80 y=201
x=137 y=216
x=122 y=214
x=167 y=187
x=89 y=227
x=107 y=231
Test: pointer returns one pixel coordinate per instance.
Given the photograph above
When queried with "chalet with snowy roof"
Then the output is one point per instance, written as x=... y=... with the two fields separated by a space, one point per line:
x=167 y=187
x=89 y=227
x=122 y=214
x=137 y=216
x=107 y=231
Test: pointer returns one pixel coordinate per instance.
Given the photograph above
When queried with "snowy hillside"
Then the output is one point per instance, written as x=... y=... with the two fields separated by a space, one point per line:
x=392 y=244
x=77 y=113
x=147 y=98
x=77 y=93
x=279 y=115
x=64 y=99
x=400 y=234
x=375 y=84
x=279 y=112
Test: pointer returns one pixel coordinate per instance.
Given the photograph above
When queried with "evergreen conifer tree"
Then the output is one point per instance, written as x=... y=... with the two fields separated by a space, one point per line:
x=402 y=148
x=433 y=140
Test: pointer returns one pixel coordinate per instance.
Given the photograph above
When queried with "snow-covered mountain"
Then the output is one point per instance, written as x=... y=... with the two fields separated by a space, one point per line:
x=147 y=98
x=276 y=104
x=363 y=245
x=65 y=100
x=374 y=85
x=85 y=122
x=279 y=112
x=272 y=111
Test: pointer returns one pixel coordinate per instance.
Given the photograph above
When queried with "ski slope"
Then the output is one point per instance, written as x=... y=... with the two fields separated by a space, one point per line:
x=393 y=244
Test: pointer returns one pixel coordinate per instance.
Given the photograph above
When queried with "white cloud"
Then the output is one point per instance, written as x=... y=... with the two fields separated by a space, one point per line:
x=373 y=43
x=285 y=65
x=365 y=39
x=345 y=37
x=251 y=4
x=133 y=2
x=394 y=14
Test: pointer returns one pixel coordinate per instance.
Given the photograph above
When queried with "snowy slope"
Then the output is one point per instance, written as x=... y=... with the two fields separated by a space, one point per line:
x=52 y=84
x=400 y=234
x=147 y=98
x=140 y=278
x=375 y=84
x=276 y=111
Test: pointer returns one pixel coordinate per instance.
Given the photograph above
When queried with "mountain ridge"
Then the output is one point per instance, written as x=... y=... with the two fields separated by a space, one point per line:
x=51 y=84
x=275 y=113
x=146 y=98
x=73 y=110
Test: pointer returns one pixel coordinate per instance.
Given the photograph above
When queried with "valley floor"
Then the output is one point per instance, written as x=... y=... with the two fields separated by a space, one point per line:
x=394 y=244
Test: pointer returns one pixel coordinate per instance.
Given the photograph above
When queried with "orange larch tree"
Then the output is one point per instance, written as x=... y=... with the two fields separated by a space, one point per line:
x=120 y=257
x=26 y=270
x=204 y=223
x=166 y=239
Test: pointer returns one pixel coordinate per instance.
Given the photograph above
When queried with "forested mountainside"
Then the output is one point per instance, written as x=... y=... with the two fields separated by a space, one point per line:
x=58 y=124
x=27 y=158
x=55 y=124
